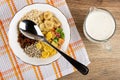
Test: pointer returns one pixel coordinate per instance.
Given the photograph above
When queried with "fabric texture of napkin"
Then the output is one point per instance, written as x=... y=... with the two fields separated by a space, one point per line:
x=12 y=68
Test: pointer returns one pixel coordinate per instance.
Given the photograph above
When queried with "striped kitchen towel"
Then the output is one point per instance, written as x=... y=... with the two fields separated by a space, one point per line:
x=12 y=68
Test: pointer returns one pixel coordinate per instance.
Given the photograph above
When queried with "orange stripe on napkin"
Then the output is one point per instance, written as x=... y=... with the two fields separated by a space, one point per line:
x=41 y=76
x=47 y=1
x=11 y=69
x=51 y=2
x=55 y=70
x=12 y=63
x=1 y=76
x=76 y=48
x=23 y=70
x=17 y=66
x=8 y=52
x=13 y=5
x=71 y=22
x=79 y=45
x=2 y=29
x=76 y=42
x=27 y=1
x=68 y=52
x=34 y=68
x=7 y=19
x=12 y=75
x=73 y=54
x=71 y=49
x=10 y=7
x=58 y=67
x=31 y=1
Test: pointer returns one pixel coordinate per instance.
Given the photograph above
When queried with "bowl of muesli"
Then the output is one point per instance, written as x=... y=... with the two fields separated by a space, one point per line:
x=54 y=26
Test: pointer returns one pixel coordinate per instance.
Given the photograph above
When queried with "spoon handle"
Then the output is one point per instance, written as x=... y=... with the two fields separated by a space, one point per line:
x=79 y=66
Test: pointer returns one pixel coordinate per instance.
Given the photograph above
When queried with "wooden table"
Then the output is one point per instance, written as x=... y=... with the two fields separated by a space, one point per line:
x=105 y=65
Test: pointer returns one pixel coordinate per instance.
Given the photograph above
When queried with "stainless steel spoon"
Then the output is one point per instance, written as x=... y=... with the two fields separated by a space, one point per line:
x=31 y=30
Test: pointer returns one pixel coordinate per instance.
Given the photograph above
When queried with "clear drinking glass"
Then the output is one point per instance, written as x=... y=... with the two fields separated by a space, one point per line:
x=99 y=26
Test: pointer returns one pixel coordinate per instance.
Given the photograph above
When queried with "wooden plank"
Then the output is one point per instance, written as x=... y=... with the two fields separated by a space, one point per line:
x=105 y=65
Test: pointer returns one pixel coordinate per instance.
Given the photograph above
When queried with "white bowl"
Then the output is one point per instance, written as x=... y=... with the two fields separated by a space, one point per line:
x=13 y=34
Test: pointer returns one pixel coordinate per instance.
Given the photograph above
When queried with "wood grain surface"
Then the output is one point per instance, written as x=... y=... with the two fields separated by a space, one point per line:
x=105 y=65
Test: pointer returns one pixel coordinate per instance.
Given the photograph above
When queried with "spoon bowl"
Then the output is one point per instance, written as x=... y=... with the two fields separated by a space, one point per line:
x=30 y=30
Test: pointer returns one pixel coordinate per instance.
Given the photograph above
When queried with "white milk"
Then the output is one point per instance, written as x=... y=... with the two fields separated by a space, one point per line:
x=99 y=25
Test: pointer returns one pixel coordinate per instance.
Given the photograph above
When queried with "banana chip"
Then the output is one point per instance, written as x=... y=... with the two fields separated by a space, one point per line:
x=45 y=54
x=47 y=15
x=49 y=24
x=42 y=26
x=49 y=35
x=55 y=21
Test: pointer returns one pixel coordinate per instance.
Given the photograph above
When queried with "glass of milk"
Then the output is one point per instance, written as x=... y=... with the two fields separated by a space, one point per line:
x=99 y=26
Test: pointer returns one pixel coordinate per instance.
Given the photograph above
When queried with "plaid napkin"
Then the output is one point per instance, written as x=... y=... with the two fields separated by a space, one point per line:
x=12 y=68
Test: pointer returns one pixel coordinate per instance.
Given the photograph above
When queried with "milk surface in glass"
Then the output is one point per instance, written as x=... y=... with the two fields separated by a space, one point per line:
x=99 y=25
